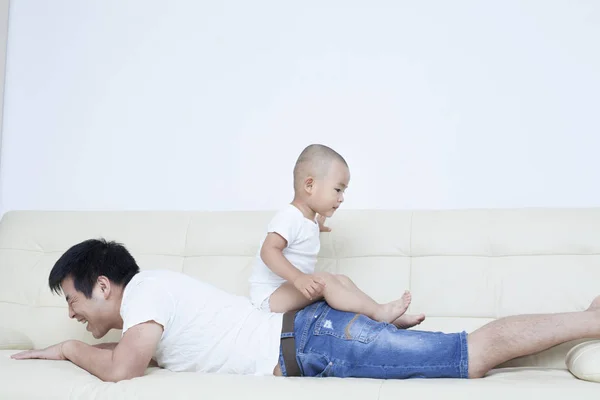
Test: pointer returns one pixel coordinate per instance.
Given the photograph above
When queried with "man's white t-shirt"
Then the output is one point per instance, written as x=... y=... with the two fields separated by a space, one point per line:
x=302 y=236
x=205 y=328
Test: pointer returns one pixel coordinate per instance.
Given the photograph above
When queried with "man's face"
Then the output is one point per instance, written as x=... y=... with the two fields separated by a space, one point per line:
x=95 y=311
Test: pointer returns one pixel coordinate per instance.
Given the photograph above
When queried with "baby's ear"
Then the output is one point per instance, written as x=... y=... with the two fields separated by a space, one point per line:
x=309 y=183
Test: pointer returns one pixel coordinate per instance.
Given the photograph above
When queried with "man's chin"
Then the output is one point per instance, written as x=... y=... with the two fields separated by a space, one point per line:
x=98 y=335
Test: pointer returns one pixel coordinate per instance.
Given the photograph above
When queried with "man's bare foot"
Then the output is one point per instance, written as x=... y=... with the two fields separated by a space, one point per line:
x=408 y=321
x=595 y=306
x=393 y=310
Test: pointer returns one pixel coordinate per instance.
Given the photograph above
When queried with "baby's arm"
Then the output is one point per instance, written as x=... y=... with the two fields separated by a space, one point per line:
x=272 y=255
x=321 y=221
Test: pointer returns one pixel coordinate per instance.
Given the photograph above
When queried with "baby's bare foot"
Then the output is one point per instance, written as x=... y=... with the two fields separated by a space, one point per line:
x=408 y=321
x=393 y=310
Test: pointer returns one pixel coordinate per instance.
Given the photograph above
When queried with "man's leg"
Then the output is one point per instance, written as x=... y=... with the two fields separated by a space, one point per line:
x=330 y=342
x=521 y=335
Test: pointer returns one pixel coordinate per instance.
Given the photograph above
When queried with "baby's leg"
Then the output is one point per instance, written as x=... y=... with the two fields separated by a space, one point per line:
x=342 y=294
x=288 y=298
x=405 y=321
x=408 y=321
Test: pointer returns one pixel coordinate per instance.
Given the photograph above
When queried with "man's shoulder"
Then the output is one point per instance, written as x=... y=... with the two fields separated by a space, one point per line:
x=153 y=280
x=150 y=276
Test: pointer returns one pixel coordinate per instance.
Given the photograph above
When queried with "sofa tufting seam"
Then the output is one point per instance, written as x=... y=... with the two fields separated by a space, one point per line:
x=379 y=390
x=185 y=242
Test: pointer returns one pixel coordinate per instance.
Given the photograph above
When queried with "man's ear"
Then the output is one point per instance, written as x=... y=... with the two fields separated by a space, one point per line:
x=104 y=285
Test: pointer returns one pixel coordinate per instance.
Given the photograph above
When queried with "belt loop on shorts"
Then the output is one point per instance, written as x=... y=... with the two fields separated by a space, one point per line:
x=288 y=344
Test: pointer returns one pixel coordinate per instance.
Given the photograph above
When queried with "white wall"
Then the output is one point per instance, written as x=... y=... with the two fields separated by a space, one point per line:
x=205 y=105
x=3 y=41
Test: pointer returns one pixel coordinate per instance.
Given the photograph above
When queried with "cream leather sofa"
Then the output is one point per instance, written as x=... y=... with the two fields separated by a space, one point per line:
x=464 y=269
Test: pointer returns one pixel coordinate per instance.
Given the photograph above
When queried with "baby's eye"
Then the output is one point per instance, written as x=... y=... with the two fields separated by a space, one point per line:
x=338 y=190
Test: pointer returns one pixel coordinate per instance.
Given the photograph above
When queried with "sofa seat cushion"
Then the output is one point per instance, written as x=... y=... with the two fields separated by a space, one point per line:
x=44 y=379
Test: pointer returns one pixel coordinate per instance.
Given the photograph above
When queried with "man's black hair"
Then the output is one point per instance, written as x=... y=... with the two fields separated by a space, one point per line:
x=88 y=260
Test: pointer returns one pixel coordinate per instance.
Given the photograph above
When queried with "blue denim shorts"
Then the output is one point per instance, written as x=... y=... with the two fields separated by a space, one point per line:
x=337 y=343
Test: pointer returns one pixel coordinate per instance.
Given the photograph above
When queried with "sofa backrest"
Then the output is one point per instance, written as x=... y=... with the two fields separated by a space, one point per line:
x=464 y=268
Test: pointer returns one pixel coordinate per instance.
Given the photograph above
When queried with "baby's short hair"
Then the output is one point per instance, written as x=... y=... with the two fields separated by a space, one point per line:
x=314 y=160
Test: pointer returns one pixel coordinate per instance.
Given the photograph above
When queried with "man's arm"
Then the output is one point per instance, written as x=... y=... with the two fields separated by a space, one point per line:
x=112 y=345
x=106 y=346
x=128 y=360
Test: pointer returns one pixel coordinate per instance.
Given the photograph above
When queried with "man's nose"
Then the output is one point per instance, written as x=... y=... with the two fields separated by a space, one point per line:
x=71 y=313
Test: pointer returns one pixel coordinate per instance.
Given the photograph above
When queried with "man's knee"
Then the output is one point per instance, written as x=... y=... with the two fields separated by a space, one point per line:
x=478 y=350
x=477 y=366
x=476 y=373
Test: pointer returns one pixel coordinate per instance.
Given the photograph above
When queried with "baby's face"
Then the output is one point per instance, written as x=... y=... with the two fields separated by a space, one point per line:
x=329 y=191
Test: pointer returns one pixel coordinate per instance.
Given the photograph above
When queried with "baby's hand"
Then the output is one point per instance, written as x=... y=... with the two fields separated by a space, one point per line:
x=310 y=286
x=321 y=221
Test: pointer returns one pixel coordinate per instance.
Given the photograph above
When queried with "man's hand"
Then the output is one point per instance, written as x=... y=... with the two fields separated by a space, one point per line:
x=54 y=352
x=321 y=221
x=310 y=286
x=125 y=360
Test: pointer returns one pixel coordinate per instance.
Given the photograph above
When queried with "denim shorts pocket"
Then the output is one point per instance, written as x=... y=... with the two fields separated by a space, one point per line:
x=348 y=326
x=327 y=372
x=315 y=365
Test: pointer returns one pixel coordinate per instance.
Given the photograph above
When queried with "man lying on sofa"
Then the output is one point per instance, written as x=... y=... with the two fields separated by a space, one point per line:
x=188 y=325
